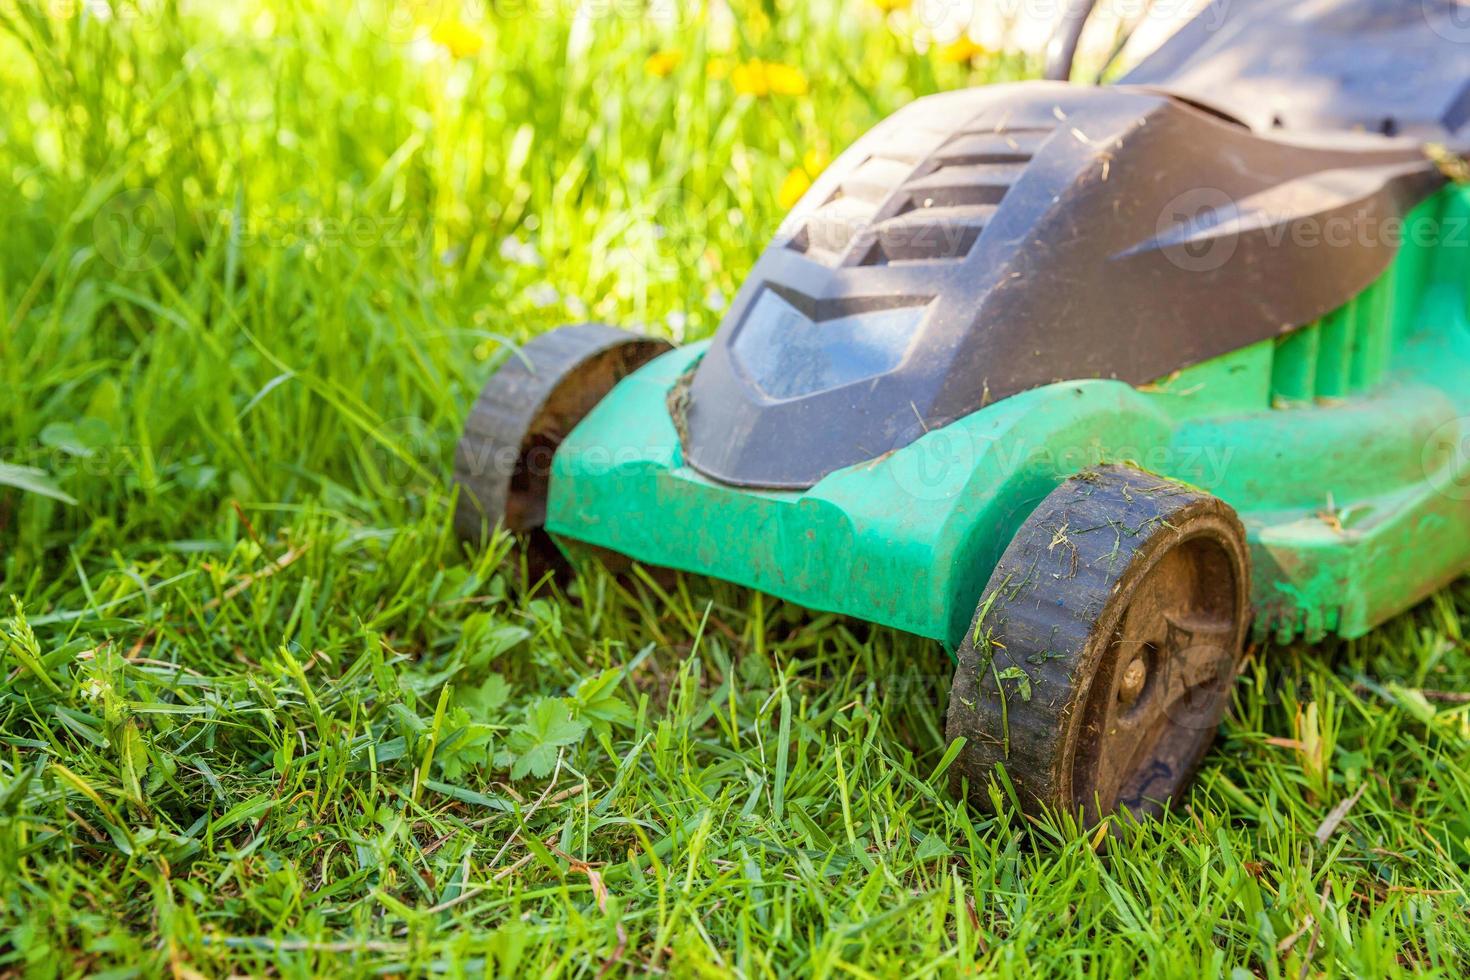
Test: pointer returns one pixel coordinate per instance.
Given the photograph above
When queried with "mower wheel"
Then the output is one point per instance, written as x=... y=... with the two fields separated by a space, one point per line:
x=535 y=399
x=1100 y=660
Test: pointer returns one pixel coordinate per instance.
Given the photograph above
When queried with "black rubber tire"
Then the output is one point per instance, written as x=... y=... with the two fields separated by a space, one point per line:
x=1100 y=660
x=503 y=462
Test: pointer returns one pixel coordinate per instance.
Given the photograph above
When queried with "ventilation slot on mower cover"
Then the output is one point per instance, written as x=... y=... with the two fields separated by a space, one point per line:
x=905 y=208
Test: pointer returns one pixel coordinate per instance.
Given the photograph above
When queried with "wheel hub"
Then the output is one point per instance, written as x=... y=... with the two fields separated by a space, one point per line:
x=1135 y=676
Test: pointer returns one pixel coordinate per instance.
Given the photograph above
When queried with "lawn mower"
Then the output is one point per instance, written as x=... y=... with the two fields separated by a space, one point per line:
x=1092 y=384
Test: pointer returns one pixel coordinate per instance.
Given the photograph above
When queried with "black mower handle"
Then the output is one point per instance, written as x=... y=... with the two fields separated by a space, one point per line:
x=1062 y=47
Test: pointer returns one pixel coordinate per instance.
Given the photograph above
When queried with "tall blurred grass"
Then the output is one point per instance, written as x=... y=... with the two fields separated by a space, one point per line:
x=325 y=211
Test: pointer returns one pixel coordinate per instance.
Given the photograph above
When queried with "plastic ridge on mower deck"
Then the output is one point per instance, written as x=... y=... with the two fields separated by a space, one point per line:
x=1336 y=445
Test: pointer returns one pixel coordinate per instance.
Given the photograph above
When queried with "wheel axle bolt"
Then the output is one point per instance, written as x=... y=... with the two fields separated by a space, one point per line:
x=1135 y=675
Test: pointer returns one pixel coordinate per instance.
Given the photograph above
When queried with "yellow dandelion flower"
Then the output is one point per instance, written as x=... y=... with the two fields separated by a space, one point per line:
x=962 y=50
x=763 y=78
x=799 y=180
x=889 y=6
x=458 y=38
x=786 y=80
x=661 y=64
x=718 y=69
x=797 y=183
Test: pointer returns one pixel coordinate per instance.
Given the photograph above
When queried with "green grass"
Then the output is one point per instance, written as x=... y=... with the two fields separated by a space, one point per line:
x=262 y=713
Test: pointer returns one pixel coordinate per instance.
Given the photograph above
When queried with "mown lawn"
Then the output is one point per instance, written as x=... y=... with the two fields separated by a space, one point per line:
x=260 y=712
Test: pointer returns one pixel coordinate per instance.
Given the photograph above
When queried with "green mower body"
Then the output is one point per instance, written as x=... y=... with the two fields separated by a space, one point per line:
x=1344 y=446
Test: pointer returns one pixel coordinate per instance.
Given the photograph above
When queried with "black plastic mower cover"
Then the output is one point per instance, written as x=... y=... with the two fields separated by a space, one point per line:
x=984 y=242
x=1395 y=67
